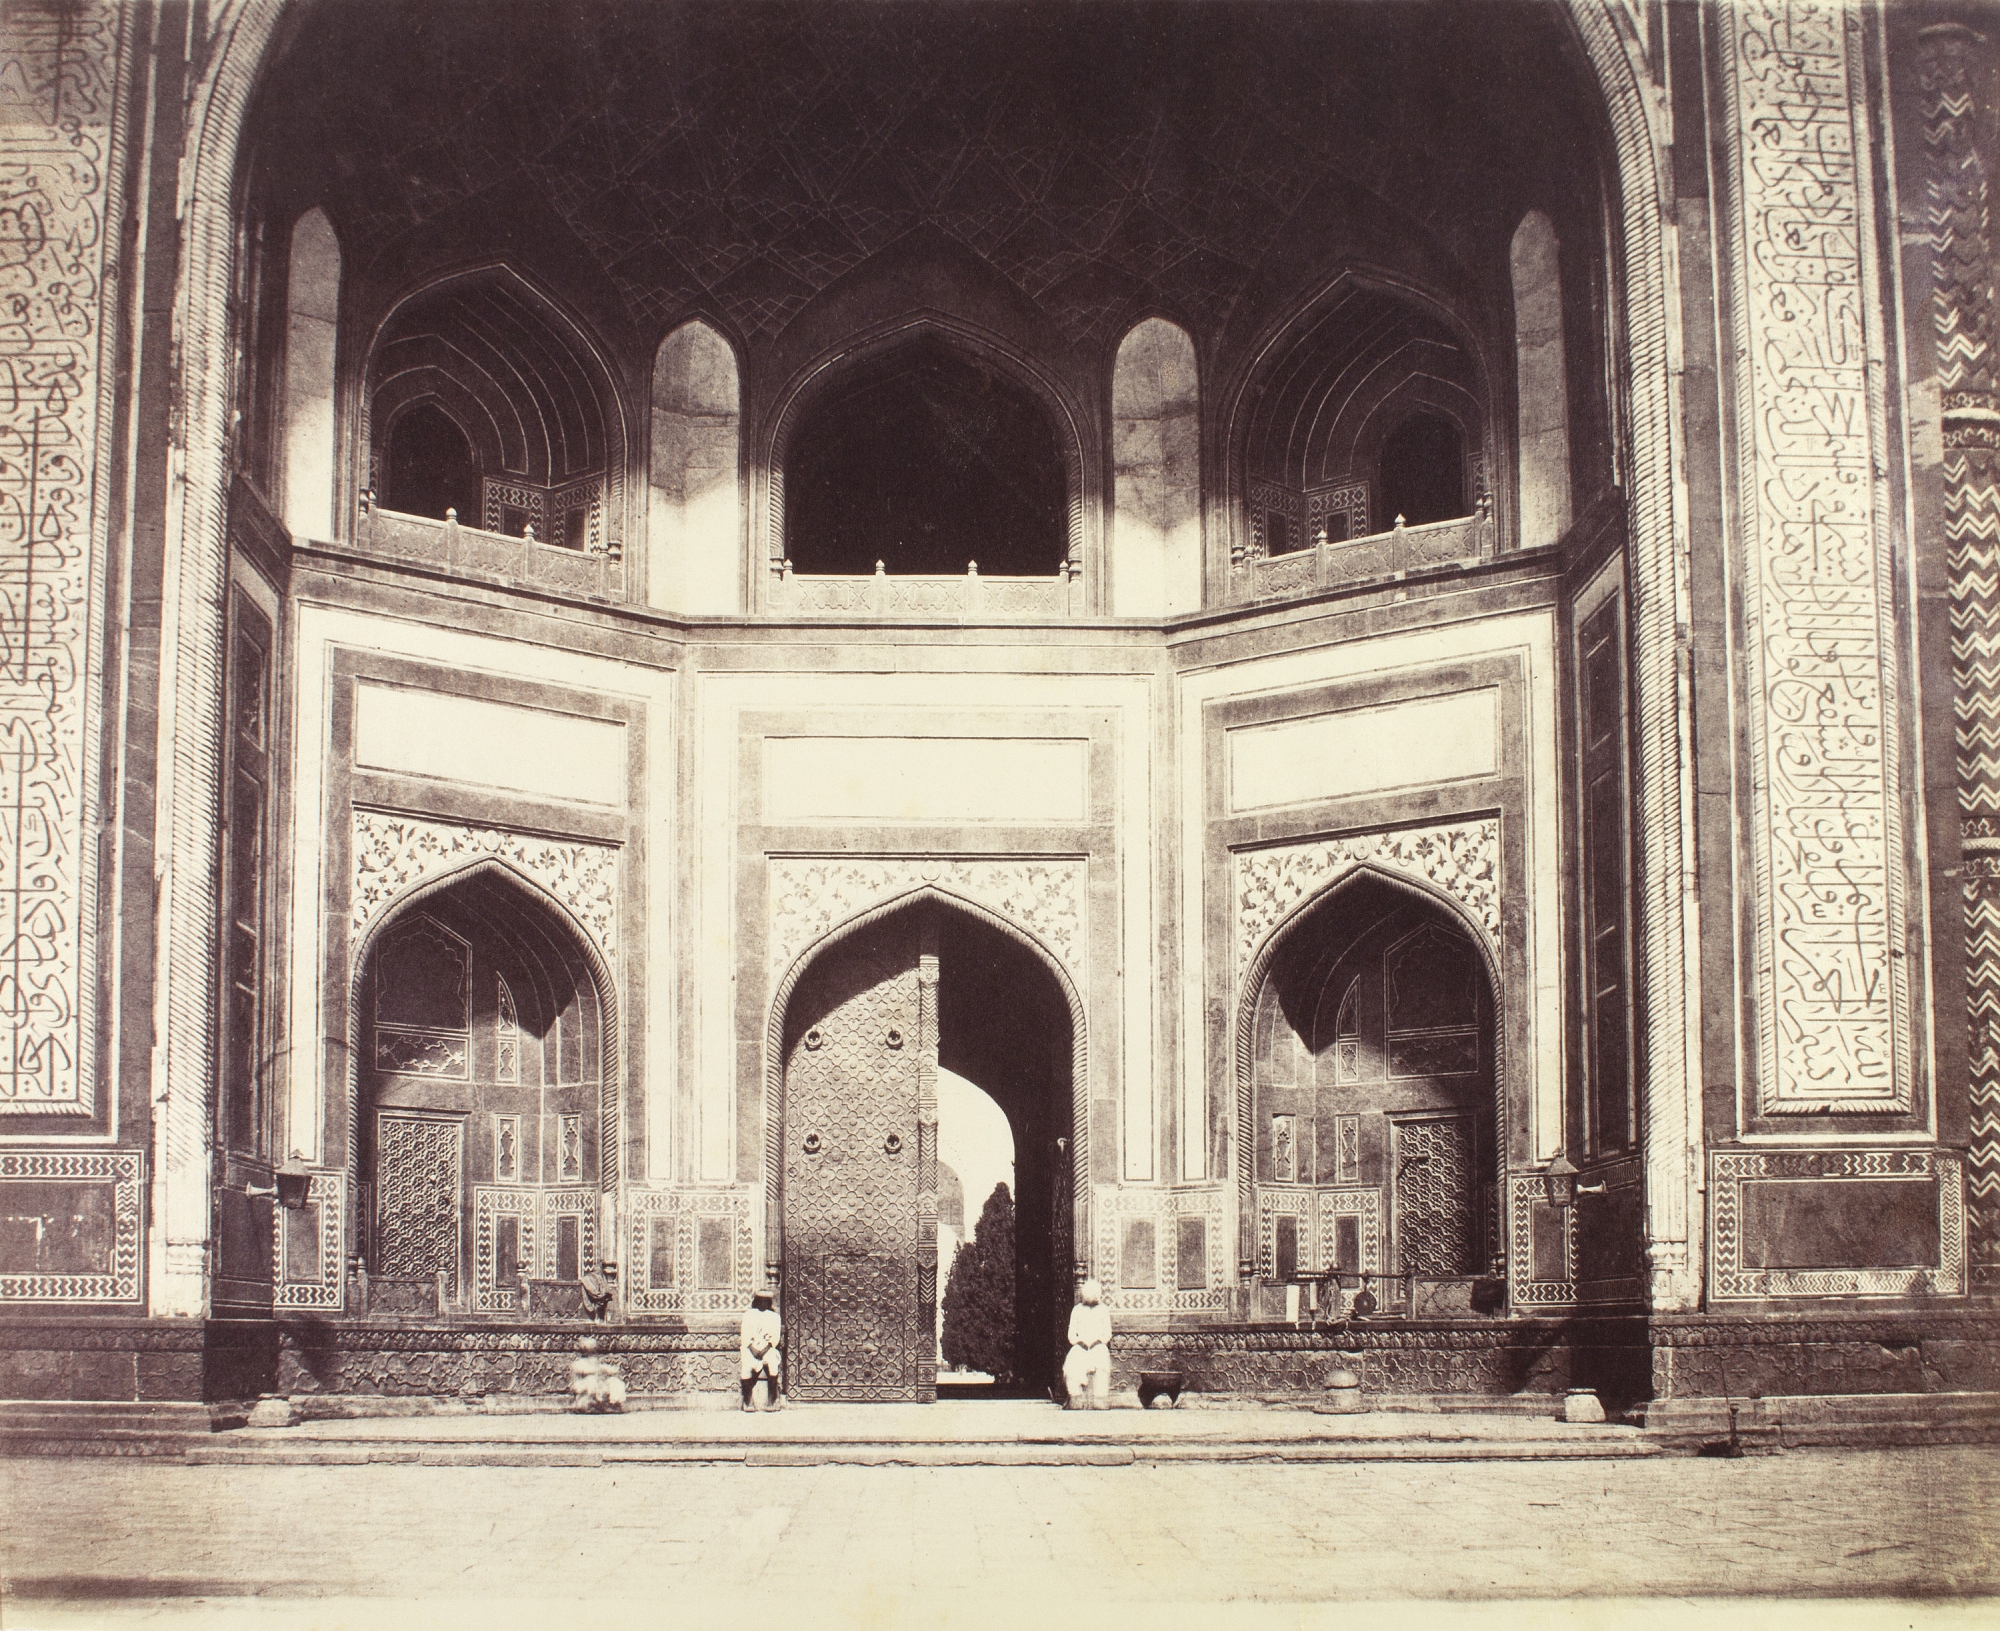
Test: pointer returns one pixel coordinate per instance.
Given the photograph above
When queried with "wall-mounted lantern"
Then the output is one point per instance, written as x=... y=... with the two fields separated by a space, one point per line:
x=291 y=1185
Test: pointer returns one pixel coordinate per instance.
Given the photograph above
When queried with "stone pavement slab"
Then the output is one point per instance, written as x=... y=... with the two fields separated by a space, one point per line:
x=987 y=1432
x=883 y=1548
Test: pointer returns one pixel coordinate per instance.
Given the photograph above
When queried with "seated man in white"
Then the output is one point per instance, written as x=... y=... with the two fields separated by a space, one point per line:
x=1087 y=1370
x=760 y=1357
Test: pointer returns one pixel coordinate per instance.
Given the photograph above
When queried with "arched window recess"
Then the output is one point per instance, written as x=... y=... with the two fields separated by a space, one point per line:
x=926 y=473
x=1360 y=449
x=494 y=443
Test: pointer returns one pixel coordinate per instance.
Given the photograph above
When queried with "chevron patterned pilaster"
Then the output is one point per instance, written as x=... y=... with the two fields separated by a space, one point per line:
x=1962 y=296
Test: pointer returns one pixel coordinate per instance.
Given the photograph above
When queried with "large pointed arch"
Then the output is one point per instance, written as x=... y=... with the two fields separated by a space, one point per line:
x=1257 y=975
x=774 y=1043
x=796 y=397
x=593 y=963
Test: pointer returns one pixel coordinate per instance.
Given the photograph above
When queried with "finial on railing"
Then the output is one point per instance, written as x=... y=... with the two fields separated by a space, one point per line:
x=881 y=571
x=451 y=515
x=528 y=533
x=1399 y=524
x=785 y=570
x=972 y=569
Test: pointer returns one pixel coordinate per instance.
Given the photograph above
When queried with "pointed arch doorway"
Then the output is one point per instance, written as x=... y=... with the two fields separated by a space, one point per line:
x=863 y=1031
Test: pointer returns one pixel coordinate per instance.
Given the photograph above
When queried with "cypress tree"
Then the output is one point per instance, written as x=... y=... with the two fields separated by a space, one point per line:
x=979 y=1324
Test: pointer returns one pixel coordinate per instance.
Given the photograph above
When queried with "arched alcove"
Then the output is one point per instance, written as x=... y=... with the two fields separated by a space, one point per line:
x=694 y=526
x=1373 y=1124
x=312 y=313
x=528 y=392
x=925 y=456
x=1156 y=472
x=1334 y=388
x=484 y=1120
x=1540 y=381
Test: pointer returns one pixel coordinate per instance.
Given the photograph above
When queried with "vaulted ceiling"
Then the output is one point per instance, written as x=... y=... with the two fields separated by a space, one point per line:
x=1104 y=159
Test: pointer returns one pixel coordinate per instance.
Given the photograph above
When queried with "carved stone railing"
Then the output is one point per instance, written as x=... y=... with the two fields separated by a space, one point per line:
x=595 y=574
x=969 y=597
x=1400 y=552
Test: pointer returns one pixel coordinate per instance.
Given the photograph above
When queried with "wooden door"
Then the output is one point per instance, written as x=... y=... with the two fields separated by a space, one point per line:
x=861 y=1049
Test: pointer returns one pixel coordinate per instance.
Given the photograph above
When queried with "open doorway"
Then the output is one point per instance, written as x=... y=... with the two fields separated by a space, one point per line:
x=869 y=1060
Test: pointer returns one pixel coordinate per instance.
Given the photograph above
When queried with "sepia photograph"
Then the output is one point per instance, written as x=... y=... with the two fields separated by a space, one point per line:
x=912 y=814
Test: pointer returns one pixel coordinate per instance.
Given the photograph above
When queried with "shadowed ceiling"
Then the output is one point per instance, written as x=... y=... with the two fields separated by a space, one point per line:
x=1105 y=159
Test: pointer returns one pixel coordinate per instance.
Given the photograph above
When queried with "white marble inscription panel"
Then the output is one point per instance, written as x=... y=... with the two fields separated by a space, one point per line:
x=1826 y=833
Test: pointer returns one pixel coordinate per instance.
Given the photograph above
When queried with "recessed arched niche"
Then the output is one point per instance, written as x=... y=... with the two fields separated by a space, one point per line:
x=312 y=313
x=1369 y=407
x=1156 y=473
x=694 y=505
x=531 y=404
x=929 y=459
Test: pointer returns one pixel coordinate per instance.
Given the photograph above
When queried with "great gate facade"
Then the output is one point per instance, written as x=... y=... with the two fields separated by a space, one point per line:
x=1410 y=704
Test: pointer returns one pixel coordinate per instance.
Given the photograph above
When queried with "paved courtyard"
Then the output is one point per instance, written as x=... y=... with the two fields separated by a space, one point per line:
x=87 y=1541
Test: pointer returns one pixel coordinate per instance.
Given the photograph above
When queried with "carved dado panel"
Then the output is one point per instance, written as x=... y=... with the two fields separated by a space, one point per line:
x=811 y=895
x=1827 y=819
x=1112 y=1208
x=1461 y=860
x=56 y=104
x=662 y=1267
x=69 y=1226
x=325 y=1214
x=394 y=852
x=1736 y=1273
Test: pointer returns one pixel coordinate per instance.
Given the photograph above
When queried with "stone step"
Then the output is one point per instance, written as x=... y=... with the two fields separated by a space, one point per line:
x=820 y=1454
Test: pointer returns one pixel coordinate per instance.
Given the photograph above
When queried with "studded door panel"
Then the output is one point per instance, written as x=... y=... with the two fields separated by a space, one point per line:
x=853 y=1304
x=1437 y=1220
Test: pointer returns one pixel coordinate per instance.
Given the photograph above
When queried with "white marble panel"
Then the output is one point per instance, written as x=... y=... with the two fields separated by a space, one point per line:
x=1365 y=750
x=924 y=779
x=491 y=744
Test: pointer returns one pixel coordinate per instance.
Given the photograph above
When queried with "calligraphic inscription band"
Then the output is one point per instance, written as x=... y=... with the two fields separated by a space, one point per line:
x=57 y=97
x=1827 y=832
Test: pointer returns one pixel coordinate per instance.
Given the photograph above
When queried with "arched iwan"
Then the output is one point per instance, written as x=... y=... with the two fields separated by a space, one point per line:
x=774 y=1054
x=611 y=1079
x=1257 y=973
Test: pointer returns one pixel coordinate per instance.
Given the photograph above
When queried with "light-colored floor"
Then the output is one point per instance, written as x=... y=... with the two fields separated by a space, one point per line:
x=91 y=1541
x=985 y=1421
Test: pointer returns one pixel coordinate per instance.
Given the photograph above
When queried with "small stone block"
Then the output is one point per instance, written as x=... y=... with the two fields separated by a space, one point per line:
x=271 y=1411
x=1581 y=1404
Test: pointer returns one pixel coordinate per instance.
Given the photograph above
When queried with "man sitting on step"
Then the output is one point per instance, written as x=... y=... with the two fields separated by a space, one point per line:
x=1087 y=1370
x=760 y=1357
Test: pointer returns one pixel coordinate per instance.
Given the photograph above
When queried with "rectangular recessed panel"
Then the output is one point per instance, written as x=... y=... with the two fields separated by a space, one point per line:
x=920 y=780
x=713 y=1238
x=1888 y=1223
x=1365 y=750
x=506 y=1251
x=1347 y=1244
x=302 y=1245
x=1286 y=1246
x=660 y=1272
x=1138 y=1269
x=414 y=732
x=1191 y=1255
x=56 y=1228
